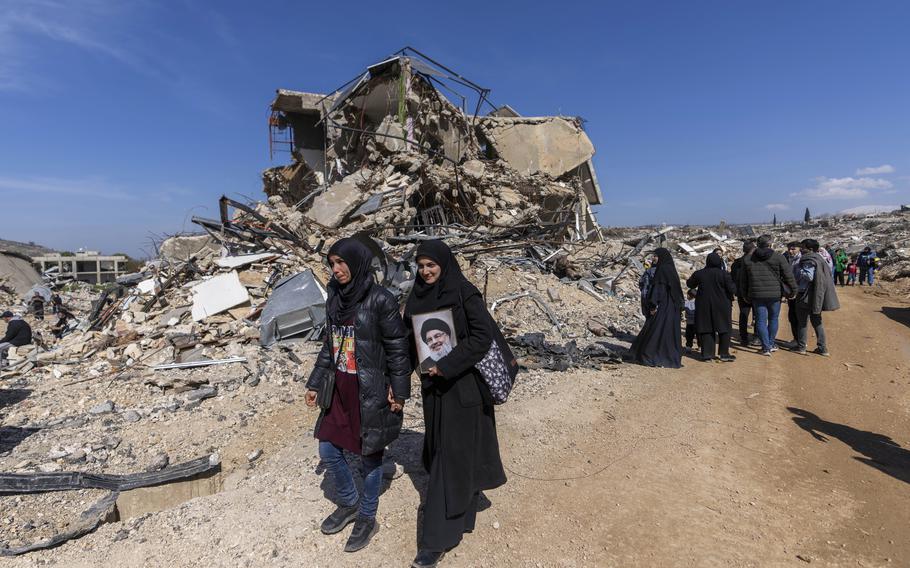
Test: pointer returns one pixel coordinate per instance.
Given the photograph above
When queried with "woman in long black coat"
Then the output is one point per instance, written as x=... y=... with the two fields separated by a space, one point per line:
x=713 y=307
x=461 y=450
x=659 y=343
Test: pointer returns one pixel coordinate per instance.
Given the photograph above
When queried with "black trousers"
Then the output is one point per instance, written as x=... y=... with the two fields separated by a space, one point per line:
x=745 y=310
x=707 y=342
x=438 y=531
x=690 y=334
x=791 y=318
x=840 y=277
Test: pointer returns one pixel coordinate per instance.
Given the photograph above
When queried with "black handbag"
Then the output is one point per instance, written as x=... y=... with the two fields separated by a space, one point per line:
x=327 y=389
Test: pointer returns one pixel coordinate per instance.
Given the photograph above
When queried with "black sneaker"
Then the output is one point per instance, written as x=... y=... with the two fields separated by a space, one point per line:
x=822 y=352
x=340 y=518
x=427 y=559
x=364 y=529
x=727 y=358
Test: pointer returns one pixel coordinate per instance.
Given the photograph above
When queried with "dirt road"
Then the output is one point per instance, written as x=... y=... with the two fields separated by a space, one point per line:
x=762 y=462
x=781 y=461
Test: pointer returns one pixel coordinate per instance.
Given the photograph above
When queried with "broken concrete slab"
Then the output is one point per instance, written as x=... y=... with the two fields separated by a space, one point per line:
x=332 y=206
x=553 y=145
x=218 y=294
x=184 y=247
x=149 y=286
x=244 y=259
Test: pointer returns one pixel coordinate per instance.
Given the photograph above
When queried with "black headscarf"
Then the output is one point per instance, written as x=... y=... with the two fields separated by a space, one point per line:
x=447 y=288
x=344 y=299
x=666 y=275
x=714 y=261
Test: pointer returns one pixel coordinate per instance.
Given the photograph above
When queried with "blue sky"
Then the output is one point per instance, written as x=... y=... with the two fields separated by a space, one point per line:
x=122 y=119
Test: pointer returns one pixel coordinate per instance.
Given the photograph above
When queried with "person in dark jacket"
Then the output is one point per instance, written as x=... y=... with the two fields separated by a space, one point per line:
x=18 y=333
x=793 y=256
x=460 y=445
x=815 y=293
x=768 y=278
x=745 y=309
x=659 y=343
x=366 y=348
x=867 y=262
x=713 y=308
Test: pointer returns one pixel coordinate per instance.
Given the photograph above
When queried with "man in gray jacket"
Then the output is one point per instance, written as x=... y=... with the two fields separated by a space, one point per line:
x=815 y=294
x=768 y=278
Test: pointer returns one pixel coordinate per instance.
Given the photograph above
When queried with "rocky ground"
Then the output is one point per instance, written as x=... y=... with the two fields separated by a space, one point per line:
x=763 y=462
x=94 y=403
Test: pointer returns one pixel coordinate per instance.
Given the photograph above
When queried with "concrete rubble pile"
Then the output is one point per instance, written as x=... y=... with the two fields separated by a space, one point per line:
x=888 y=234
x=182 y=362
x=178 y=363
x=390 y=153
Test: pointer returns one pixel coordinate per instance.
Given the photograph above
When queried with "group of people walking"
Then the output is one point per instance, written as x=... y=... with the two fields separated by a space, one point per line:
x=369 y=354
x=805 y=276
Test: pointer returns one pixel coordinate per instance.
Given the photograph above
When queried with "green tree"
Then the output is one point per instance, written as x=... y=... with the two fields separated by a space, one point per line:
x=807 y=218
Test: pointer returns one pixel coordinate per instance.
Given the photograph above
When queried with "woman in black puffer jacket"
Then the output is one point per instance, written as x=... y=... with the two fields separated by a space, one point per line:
x=366 y=348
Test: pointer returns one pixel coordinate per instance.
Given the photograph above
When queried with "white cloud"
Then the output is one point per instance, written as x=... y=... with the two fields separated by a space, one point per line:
x=777 y=207
x=867 y=209
x=843 y=188
x=877 y=170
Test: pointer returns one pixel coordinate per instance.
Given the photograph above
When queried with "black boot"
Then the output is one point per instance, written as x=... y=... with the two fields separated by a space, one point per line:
x=427 y=559
x=340 y=518
x=364 y=529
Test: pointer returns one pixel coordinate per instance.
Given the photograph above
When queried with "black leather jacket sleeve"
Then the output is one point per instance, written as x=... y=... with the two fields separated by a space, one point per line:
x=474 y=347
x=395 y=342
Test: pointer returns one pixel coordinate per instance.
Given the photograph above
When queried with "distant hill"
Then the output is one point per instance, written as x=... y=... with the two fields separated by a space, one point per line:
x=29 y=249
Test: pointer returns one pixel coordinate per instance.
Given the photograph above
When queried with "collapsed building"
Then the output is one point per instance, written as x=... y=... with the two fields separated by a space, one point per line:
x=391 y=153
x=168 y=368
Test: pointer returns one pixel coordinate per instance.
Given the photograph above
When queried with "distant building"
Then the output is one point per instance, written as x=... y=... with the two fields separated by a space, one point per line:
x=86 y=266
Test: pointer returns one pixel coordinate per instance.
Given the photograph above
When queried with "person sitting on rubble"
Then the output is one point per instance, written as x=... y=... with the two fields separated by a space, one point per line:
x=460 y=444
x=852 y=271
x=18 y=333
x=815 y=294
x=714 y=306
x=362 y=377
x=768 y=278
x=659 y=343
x=737 y=272
x=36 y=304
x=56 y=303
x=59 y=329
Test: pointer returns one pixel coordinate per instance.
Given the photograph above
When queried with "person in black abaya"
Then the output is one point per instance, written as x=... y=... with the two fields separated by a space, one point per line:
x=713 y=308
x=659 y=343
x=461 y=450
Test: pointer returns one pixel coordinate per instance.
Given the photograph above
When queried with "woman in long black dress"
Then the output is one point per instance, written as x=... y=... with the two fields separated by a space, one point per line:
x=713 y=307
x=461 y=450
x=659 y=343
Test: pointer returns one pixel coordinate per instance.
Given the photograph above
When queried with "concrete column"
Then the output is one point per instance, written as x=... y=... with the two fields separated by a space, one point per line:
x=98 y=272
